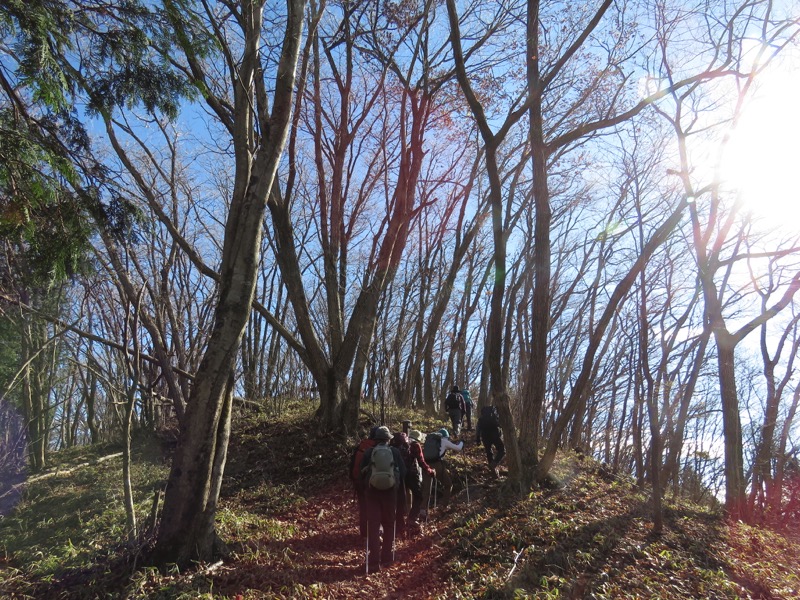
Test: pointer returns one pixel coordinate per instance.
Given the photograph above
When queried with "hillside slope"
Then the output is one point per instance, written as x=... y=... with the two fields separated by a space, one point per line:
x=289 y=516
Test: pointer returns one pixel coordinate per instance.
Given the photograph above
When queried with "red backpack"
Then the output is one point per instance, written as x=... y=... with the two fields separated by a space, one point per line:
x=358 y=455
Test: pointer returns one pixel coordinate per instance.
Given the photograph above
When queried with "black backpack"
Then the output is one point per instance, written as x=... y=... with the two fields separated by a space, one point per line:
x=489 y=416
x=432 y=447
x=452 y=401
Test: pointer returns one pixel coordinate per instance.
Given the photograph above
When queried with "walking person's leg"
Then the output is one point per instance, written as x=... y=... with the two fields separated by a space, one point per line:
x=445 y=480
x=427 y=489
x=400 y=511
x=501 y=450
x=373 y=531
x=455 y=420
x=362 y=510
x=487 y=445
x=415 y=487
x=388 y=520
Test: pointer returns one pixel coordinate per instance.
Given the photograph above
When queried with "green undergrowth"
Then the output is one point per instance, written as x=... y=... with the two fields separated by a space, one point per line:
x=72 y=516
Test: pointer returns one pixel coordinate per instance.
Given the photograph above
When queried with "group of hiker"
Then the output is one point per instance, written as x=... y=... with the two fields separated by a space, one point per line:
x=394 y=475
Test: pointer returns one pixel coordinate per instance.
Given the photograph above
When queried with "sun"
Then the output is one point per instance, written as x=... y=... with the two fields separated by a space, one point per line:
x=762 y=160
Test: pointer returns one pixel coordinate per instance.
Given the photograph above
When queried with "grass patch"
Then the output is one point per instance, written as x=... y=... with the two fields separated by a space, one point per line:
x=69 y=522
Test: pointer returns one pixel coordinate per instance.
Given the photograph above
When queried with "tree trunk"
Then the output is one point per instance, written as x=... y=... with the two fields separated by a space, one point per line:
x=187 y=530
x=34 y=391
x=536 y=386
x=133 y=369
x=735 y=500
x=91 y=398
x=130 y=511
x=651 y=394
x=776 y=492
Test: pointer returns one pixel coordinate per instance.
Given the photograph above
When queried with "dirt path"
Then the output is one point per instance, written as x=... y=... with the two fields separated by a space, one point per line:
x=315 y=550
x=326 y=549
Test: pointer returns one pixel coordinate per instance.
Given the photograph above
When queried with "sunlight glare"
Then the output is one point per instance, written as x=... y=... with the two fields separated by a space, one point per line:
x=762 y=159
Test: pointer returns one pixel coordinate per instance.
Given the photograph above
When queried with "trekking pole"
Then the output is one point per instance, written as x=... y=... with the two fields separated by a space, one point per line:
x=394 y=537
x=367 y=550
x=466 y=476
x=428 y=510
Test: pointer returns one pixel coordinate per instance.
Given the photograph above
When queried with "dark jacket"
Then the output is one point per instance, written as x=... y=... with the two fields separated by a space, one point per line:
x=455 y=400
x=488 y=427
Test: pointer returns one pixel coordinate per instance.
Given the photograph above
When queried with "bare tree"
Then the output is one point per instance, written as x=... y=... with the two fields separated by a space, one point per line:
x=187 y=527
x=718 y=236
x=765 y=489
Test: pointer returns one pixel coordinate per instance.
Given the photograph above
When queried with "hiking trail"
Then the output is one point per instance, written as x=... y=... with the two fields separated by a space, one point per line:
x=318 y=551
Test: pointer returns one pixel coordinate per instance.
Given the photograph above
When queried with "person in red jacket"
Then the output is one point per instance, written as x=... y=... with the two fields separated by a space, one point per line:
x=358 y=482
x=414 y=476
x=382 y=482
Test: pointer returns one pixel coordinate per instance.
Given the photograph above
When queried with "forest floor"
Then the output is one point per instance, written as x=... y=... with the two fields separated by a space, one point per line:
x=288 y=514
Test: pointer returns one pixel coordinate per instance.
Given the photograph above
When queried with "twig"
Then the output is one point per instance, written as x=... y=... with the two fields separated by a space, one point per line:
x=58 y=472
x=154 y=511
x=516 y=559
x=210 y=568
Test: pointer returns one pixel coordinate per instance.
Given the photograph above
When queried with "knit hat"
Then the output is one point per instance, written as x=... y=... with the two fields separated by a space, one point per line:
x=383 y=433
x=444 y=433
x=399 y=439
x=455 y=388
x=416 y=435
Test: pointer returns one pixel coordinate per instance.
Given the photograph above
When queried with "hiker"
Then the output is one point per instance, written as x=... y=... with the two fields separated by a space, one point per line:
x=383 y=469
x=436 y=446
x=468 y=407
x=415 y=476
x=454 y=405
x=489 y=431
x=358 y=481
x=401 y=442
